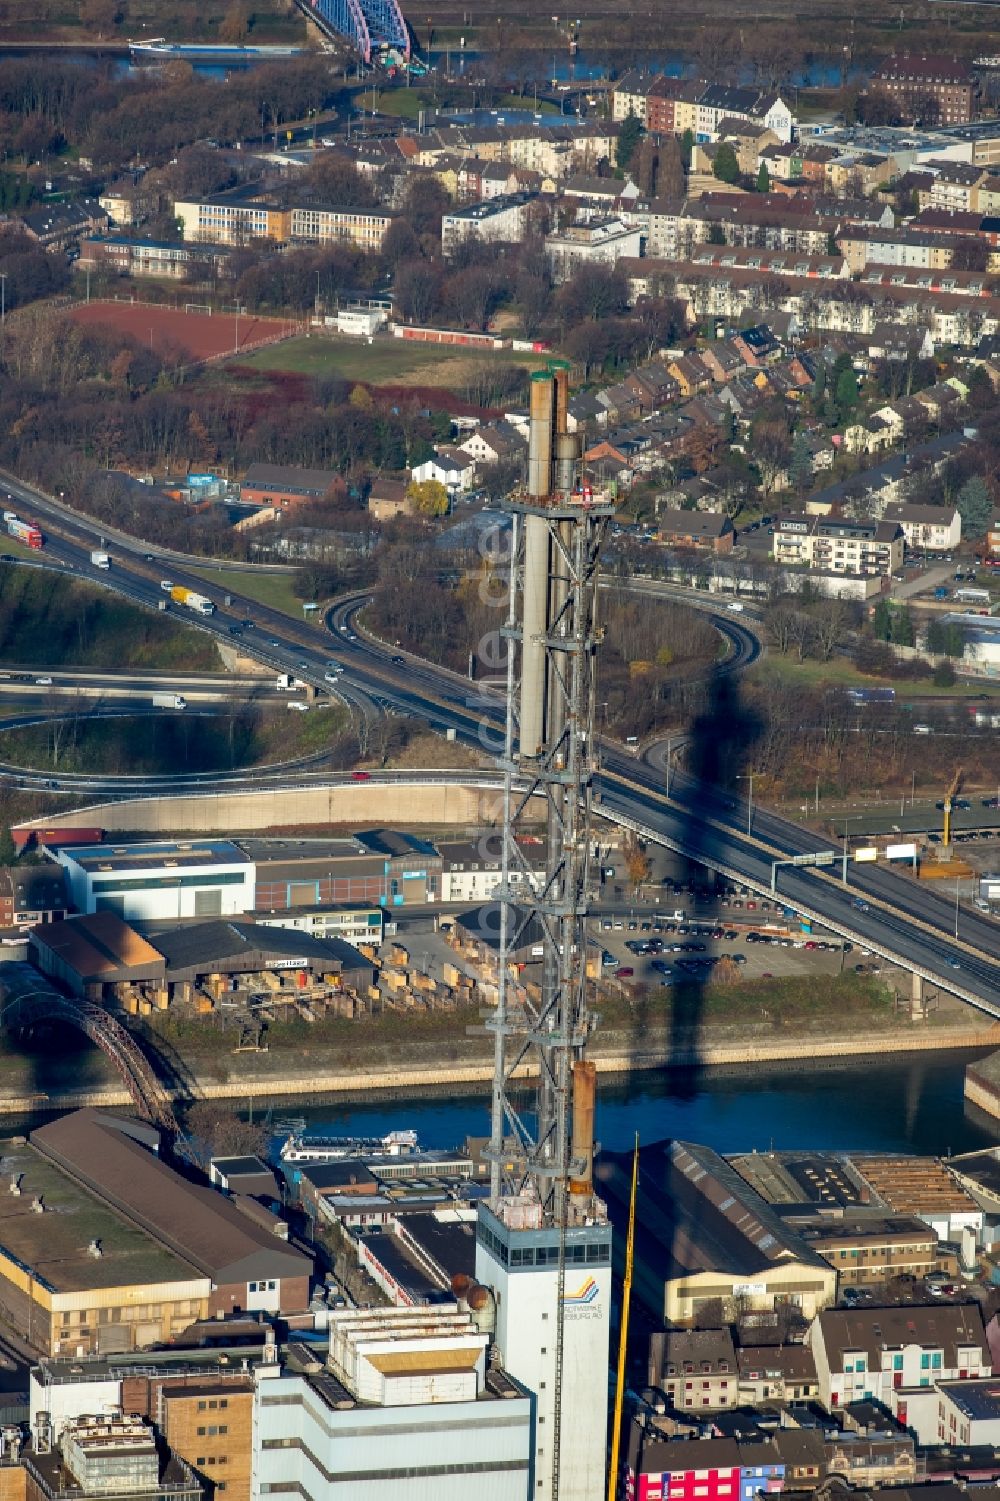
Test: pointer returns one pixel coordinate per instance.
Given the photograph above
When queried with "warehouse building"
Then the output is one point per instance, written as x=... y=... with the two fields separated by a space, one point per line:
x=239 y=959
x=706 y=1236
x=78 y=1275
x=407 y=1404
x=201 y=964
x=227 y=1262
x=187 y=878
x=380 y=866
x=168 y=881
x=92 y=956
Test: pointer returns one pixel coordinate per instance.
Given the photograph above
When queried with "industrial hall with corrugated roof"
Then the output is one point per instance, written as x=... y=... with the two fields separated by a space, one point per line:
x=104 y=1247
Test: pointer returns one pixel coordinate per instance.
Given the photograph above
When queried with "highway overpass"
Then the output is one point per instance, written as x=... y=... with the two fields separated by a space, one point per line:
x=909 y=924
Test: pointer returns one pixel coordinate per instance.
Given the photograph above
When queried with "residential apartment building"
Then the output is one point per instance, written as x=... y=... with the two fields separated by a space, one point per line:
x=598 y=242
x=871 y=1353
x=694 y=1368
x=775 y=1373
x=913 y=81
x=499 y=219
x=471 y=871
x=676 y=105
x=927 y=528
x=839 y=545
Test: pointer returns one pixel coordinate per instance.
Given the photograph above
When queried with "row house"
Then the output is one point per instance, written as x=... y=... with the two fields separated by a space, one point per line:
x=694 y=1368
x=870 y=1353
x=700 y=1469
x=676 y=105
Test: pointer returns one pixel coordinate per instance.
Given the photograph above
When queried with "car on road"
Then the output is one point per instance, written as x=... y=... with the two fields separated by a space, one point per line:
x=351 y=636
x=399 y=661
x=332 y=675
x=247 y=625
x=361 y=776
x=43 y=682
x=298 y=706
x=236 y=630
x=954 y=963
x=343 y=627
x=860 y=903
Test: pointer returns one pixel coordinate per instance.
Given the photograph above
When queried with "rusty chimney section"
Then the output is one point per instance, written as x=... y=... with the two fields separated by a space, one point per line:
x=540 y=435
x=584 y=1107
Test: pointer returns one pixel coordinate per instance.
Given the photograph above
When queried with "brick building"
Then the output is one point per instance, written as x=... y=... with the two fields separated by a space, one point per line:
x=928 y=84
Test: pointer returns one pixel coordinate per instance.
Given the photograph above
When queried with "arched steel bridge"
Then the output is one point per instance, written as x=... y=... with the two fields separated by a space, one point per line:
x=369 y=24
x=42 y=1003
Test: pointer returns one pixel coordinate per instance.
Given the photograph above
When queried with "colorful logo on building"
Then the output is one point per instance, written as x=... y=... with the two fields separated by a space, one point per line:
x=585 y=1294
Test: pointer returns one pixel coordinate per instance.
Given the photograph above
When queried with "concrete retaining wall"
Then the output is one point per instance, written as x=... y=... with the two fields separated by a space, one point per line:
x=385 y=804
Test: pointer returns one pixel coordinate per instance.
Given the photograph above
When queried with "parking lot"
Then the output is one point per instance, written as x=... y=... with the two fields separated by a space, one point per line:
x=659 y=950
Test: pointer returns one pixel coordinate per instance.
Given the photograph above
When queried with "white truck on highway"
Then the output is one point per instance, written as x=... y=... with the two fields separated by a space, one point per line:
x=100 y=559
x=288 y=684
x=169 y=701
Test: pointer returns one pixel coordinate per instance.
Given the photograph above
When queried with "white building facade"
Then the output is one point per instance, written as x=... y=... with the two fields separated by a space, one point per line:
x=201 y=878
x=521 y=1267
x=406 y=1407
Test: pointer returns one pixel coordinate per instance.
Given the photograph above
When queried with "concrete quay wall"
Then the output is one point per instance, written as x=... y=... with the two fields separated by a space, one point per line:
x=982 y=1084
x=479 y=1072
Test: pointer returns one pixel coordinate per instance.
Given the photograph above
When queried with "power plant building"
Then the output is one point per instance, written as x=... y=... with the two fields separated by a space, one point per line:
x=408 y=1404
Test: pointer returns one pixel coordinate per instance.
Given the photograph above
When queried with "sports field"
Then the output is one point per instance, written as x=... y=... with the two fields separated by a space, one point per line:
x=198 y=336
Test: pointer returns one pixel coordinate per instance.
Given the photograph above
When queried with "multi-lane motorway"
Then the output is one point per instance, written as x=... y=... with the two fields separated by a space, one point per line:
x=905 y=922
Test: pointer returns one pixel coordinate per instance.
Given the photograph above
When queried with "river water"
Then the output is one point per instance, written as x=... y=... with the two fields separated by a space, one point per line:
x=911 y=1102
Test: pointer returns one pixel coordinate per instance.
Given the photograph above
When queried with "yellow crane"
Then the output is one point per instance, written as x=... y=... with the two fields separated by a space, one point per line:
x=956 y=782
x=616 y=1431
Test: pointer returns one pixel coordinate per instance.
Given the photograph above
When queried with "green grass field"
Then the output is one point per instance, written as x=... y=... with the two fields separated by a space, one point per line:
x=841 y=673
x=385 y=362
x=272 y=589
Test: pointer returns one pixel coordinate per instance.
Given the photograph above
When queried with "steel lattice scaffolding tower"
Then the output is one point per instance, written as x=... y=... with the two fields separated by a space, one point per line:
x=543 y=1237
x=549 y=758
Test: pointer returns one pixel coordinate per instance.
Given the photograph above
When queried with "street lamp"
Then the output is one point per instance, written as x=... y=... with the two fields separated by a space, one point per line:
x=748 y=777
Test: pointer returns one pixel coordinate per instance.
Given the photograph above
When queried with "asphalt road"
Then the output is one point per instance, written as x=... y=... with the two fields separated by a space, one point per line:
x=900 y=921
